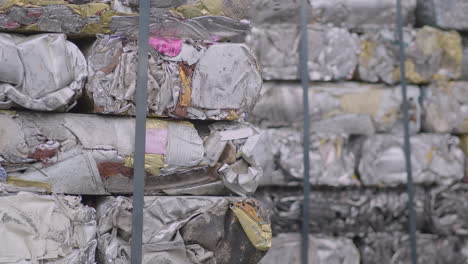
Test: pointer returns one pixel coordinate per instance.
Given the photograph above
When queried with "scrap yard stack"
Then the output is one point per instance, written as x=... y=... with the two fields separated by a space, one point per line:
x=68 y=74
x=358 y=203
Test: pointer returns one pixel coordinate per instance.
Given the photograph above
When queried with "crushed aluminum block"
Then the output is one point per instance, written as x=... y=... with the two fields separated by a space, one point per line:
x=330 y=155
x=186 y=80
x=339 y=108
x=322 y=250
x=449 y=210
x=186 y=9
x=46 y=229
x=445 y=107
x=436 y=159
x=202 y=28
x=431 y=54
x=184 y=230
x=394 y=248
x=446 y=14
x=90 y=154
x=333 y=52
x=58 y=16
x=350 y=14
x=347 y=212
x=42 y=72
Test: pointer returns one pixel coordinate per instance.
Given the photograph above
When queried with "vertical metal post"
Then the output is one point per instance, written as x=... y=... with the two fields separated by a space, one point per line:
x=407 y=148
x=304 y=74
x=140 y=127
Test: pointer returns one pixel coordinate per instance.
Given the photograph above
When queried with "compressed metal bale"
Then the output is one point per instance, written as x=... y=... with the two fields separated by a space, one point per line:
x=394 y=248
x=42 y=72
x=322 y=250
x=445 y=106
x=431 y=54
x=447 y=14
x=186 y=79
x=436 y=159
x=46 y=229
x=184 y=230
x=449 y=210
x=89 y=154
x=333 y=160
x=344 y=212
x=333 y=52
x=164 y=25
x=339 y=108
x=351 y=14
x=58 y=16
x=186 y=9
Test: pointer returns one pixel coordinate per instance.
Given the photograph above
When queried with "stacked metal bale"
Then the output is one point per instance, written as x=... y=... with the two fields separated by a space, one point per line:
x=68 y=73
x=358 y=202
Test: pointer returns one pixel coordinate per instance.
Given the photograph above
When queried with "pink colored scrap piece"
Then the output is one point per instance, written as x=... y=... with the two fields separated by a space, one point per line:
x=166 y=46
x=156 y=141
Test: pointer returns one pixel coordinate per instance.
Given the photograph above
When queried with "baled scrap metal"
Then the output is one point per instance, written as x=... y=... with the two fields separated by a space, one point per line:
x=186 y=9
x=339 y=108
x=164 y=25
x=393 y=248
x=322 y=250
x=447 y=14
x=46 y=229
x=333 y=52
x=350 y=14
x=432 y=54
x=445 y=106
x=449 y=210
x=186 y=79
x=185 y=230
x=331 y=155
x=436 y=159
x=42 y=72
x=90 y=154
x=56 y=16
x=346 y=212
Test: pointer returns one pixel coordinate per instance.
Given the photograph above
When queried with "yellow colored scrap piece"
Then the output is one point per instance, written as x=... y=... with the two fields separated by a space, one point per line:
x=411 y=74
x=367 y=51
x=201 y=8
x=24 y=183
x=186 y=96
x=153 y=163
x=259 y=234
x=354 y=103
